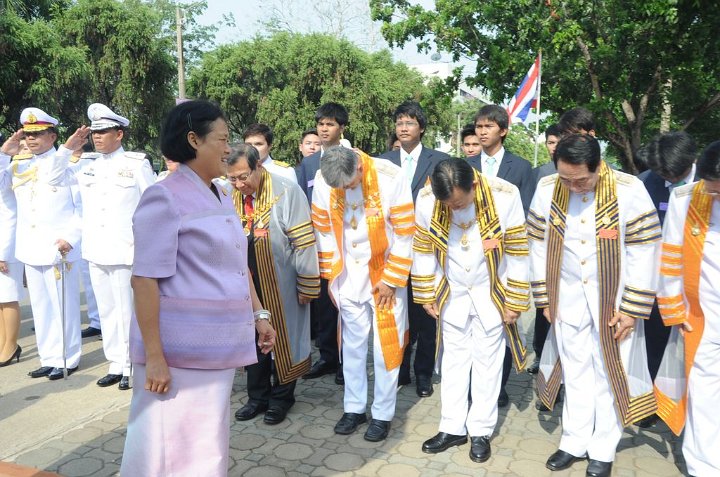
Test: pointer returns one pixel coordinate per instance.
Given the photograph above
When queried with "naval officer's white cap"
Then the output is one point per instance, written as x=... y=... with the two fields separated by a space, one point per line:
x=102 y=117
x=35 y=119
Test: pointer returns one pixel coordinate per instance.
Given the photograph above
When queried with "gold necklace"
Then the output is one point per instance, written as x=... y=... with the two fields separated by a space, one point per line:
x=464 y=226
x=353 y=207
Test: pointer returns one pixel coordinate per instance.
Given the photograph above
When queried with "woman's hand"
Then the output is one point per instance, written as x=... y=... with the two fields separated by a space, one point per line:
x=157 y=376
x=266 y=336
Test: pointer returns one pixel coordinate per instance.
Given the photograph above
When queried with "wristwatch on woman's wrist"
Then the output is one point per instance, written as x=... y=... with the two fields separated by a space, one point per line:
x=261 y=315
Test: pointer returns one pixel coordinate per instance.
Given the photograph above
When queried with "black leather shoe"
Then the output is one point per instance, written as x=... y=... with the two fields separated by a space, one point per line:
x=561 y=460
x=377 y=430
x=339 y=377
x=57 y=373
x=90 y=331
x=124 y=383
x=41 y=372
x=503 y=398
x=320 y=368
x=647 y=422
x=274 y=415
x=250 y=410
x=534 y=367
x=109 y=380
x=349 y=423
x=424 y=386
x=479 y=448
x=442 y=442
x=597 y=468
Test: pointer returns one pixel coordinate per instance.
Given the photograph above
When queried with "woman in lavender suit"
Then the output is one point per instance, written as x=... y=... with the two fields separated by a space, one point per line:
x=196 y=310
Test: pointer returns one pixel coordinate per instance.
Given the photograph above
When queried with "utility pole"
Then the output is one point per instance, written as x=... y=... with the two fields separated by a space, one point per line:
x=181 y=62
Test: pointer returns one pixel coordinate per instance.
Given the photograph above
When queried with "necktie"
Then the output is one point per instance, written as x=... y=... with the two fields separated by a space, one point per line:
x=409 y=169
x=248 y=205
x=490 y=161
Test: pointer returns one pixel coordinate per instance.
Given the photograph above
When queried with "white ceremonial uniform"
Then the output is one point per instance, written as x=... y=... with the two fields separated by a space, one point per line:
x=92 y=309
x=701 y=439
x=473 y=335
x=111 y=187
x=352 y=290
x=283 y=171
x=11 y=287
x=590 y=423
x=49 y=209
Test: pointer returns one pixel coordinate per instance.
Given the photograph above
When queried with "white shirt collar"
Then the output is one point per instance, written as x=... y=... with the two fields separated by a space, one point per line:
x=415 y=153
x=498 y=156
x=687 y=179
x=117 y=152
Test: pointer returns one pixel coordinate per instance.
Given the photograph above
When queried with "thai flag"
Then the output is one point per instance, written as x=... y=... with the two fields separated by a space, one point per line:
x=526 y=95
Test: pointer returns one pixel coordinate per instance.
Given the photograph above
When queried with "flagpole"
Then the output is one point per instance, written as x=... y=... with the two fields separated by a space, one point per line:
x=537 y=107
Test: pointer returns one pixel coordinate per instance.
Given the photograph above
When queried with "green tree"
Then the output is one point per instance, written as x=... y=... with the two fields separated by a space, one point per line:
x=281 y=81
x=618 y=58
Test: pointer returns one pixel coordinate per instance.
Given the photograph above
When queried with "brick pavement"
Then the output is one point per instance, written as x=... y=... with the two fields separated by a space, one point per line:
x=305 y=445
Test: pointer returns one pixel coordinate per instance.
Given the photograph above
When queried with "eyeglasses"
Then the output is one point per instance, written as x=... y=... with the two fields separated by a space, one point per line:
x=406 y=124
x=240 y=178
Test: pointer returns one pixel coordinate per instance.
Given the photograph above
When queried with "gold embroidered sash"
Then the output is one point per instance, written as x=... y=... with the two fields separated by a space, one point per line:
x=392 y=349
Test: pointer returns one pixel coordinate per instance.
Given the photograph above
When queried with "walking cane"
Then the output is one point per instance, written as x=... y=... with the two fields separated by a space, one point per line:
x=63 y=265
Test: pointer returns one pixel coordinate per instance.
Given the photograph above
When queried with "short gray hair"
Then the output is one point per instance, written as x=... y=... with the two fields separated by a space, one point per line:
x=338 y=166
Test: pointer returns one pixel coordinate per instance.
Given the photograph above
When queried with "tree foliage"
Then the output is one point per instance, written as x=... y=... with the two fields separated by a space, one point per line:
x=281 y=81
x=620 y=59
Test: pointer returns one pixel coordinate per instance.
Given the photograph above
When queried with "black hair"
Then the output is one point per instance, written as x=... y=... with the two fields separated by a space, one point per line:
x=196 y=116
x=468 y=130
x=552 y=130
x=576 y=119
x=494 y=113
x=248 y=151
x=334 y=111
x=307 y=133
x=578 y=149
x=259 y=130
x=450 y=174
x=708 y=166
x=670 y=155
x=413 y=110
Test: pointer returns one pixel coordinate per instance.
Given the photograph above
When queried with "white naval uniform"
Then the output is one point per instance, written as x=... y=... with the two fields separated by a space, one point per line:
x=701 y=440
x=49 y=209
x=590 y=424
x=273 y=168
x=11 y=287
x=473 y=335
x=111 y=187
x=352 y=291
x=92 y=309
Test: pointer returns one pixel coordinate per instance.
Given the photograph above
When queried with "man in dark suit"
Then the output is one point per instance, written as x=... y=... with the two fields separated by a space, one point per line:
x=417 y=163
x=331 y=120
x=491 y=127
x=670 y=158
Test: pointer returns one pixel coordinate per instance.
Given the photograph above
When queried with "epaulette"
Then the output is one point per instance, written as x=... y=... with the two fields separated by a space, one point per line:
x=135 y=155
x=499 y=185
x=426 y=190
x=22 y=157
x=387 y=168
x=684 y=190
x=90 y=155
x=624 y=178
x=281 y=163
x=547 y=180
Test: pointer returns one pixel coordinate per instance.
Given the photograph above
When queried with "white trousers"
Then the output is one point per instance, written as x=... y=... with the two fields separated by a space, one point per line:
x=589 y=421
x=46 y=301
x=115 y=304
x=357 y=320
x=472 y=359
x=701 y=443
x=92 y=310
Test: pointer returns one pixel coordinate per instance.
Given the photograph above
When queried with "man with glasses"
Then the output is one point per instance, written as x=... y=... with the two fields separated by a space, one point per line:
x=111 y=187
x=47 y=237
x=417 y=163
x=283 y=260
x=594 y=237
